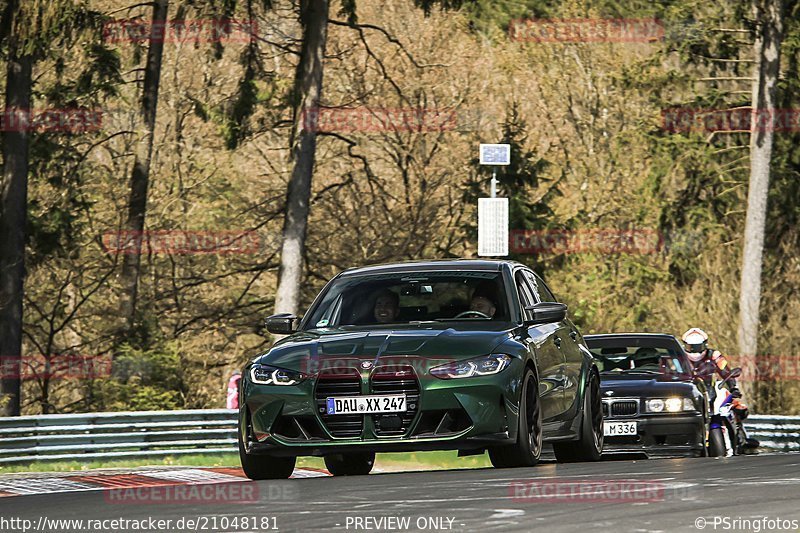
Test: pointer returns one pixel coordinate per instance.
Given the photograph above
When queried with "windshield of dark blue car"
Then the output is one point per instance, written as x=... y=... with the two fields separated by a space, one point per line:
x=638 y=355
x=411 y=298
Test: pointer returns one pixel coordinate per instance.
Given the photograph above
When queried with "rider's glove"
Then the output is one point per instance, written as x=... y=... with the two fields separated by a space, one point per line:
x=736 y=393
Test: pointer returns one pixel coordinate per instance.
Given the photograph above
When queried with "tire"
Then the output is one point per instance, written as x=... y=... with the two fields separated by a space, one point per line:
x=589 y=447
x=350 y=464
x=733 y=437
x=528 y=448
x=716 y=443
x=702 y=450
x=700 y=453
x=262 y=466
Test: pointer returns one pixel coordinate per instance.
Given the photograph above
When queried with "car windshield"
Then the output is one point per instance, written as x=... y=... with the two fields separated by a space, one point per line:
x=641 y=355
x=404 y=298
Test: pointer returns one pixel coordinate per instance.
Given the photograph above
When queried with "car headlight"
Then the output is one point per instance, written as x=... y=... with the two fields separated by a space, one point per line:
x=478 y=366
x=270 y=375
x=670 y=405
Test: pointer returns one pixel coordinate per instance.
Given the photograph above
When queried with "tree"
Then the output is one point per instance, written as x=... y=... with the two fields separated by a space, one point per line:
x=769 y=34
x=31 y=32
x=307 y=91
x=13 y=210
x=140 y=175
x=314 y=16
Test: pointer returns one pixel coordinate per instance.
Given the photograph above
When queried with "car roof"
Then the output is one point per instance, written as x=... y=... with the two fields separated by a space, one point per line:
x=622 y=337
x=628 y=335
x=439 y=264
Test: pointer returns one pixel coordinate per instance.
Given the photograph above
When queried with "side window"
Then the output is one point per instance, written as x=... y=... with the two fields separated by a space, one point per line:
x=542 y=292
x=532 y=283
x=525 y=295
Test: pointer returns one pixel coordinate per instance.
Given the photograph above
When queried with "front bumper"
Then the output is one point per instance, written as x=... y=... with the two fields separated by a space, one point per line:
x=319 y=449
x=660 y=435
x=457 y=414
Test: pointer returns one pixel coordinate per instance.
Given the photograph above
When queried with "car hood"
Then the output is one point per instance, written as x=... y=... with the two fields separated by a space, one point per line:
x=313 y=350
x=647 y=385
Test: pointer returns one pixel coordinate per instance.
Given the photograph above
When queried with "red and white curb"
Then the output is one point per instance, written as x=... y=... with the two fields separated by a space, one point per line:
x=24 y=484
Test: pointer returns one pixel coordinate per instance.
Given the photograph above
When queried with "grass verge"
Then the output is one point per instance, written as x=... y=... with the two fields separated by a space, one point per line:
x=384 y=461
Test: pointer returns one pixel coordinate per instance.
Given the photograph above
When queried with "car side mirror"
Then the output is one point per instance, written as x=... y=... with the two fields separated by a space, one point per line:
x=546 y=312
x=281 y=324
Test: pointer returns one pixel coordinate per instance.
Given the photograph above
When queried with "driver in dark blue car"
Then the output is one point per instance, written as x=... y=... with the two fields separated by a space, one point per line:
x=483 y=304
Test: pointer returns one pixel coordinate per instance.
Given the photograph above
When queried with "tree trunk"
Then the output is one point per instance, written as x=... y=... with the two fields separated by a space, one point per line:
x=769 y=33
x=140 y=176
x=13 y=216
x=307 y=91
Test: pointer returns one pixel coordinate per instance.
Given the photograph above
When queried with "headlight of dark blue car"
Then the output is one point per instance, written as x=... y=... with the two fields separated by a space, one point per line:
x=270 y=375
x=484 y=365
x=669 y=405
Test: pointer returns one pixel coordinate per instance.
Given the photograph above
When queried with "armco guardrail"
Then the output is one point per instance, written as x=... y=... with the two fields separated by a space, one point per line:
x=116 y=435
x=74 y=437
x=775 y=432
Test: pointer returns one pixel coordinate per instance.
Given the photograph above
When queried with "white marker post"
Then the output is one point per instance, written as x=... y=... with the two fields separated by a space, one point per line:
x=493 y=211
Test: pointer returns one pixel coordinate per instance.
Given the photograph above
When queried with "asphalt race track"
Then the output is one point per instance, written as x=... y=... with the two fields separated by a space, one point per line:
x=620 y=495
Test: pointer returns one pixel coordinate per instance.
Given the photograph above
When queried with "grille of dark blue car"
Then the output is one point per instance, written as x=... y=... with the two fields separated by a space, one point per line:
x=339 y=384
x=624 y=407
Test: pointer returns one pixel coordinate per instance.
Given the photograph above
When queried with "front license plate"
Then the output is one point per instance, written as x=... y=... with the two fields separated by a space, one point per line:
x=618 y=429
x=362 y=405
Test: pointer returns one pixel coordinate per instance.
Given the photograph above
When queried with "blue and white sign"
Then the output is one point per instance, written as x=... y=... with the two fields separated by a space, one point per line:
x=495 y=154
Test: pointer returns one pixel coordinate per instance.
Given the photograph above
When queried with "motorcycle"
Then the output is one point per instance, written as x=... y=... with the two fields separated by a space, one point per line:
x=726 y=435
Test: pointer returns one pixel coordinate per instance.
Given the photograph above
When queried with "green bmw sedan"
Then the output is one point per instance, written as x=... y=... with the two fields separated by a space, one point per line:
x=467 y=355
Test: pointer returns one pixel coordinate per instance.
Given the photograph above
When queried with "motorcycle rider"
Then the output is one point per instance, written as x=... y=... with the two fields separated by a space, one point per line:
x=701 y=356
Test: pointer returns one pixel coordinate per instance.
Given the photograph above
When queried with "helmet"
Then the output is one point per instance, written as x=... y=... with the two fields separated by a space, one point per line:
x=695 y=341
